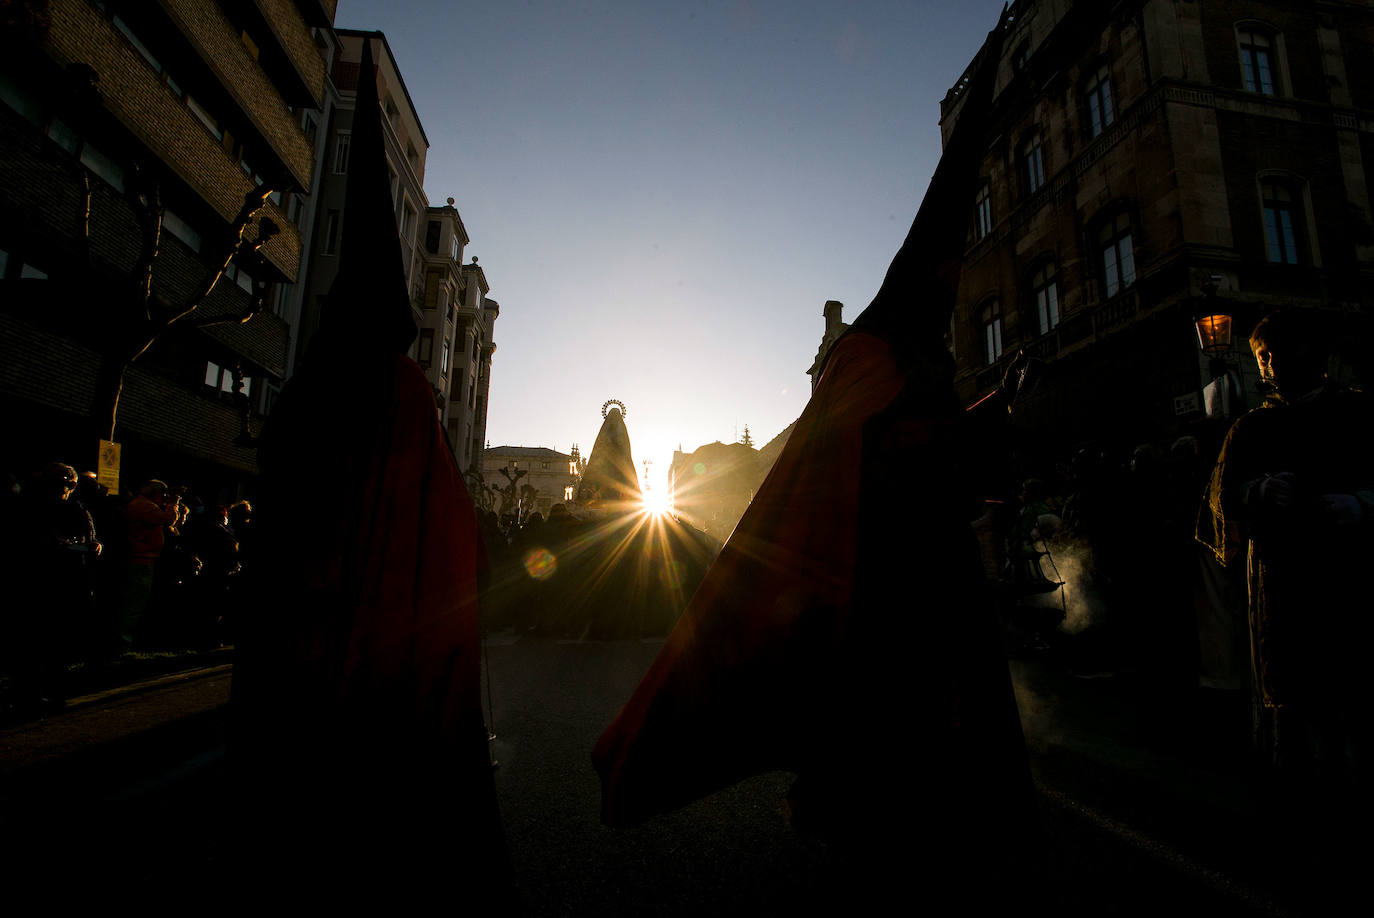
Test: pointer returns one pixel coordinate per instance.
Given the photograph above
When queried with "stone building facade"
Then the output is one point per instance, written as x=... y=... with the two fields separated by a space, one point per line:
x=1144 y=156
x=552 y=476
x=204 y=98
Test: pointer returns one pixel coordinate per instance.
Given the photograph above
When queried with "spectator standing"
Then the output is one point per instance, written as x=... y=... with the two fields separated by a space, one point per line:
x=1294 y=488
x=147 y=515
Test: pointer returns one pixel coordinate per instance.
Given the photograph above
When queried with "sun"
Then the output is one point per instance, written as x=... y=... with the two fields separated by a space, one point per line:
x=655 y=503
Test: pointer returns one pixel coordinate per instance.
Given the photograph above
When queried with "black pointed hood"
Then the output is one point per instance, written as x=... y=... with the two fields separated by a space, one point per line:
x=368 y=309
x=913 y=305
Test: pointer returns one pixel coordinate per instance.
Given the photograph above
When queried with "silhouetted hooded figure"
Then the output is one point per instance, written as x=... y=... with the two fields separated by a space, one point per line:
x=833 y=639
x=357 y=721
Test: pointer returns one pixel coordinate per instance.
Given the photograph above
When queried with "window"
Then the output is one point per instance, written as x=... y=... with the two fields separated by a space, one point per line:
x=242 y=278
x=1045 y=289
x=443 y=360
x=211 y=123
x=1118 y=255
x=456 y=248
x=22 y=102
x=212 y=374
x=407 y=219
x=139 y=46
x=102 y=166
x=426 y=346
x=181 y=229
x=1257 y=62
x=1282 y=222
x=63 y=135
x=1033 y=163
x=341 y=141
x=331 y=233
x=982 y=213
x=311 y=128
x=991 y=320
x=1099 y=98
x=1020 y=57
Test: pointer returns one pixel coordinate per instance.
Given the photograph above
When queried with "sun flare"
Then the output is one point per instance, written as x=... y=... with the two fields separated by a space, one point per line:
x=655 y=503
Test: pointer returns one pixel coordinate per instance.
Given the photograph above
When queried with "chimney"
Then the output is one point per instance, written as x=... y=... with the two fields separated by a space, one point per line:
x=833 y=320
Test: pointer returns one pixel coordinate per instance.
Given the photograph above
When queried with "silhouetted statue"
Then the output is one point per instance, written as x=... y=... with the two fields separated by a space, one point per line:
x=610 y=481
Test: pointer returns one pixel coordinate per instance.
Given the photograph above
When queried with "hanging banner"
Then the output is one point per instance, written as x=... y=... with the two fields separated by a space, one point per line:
x=107 y=472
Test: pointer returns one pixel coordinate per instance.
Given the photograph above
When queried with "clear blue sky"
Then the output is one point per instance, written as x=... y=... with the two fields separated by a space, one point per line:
x=664 y=194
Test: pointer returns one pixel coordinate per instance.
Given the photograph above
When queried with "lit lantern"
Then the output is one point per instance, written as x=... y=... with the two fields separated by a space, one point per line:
x=1212 y=321
x=1213 y=333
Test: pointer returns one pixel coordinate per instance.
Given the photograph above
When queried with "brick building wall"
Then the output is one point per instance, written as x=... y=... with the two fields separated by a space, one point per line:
x=184 y=91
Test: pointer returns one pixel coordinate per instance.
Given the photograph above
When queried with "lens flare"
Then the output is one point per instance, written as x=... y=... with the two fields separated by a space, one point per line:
x=541 y=564
x=699 y=468
x=655 y=503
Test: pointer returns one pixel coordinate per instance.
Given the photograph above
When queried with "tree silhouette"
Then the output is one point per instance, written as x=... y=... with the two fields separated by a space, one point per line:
x=136 y=315
x=746 y=439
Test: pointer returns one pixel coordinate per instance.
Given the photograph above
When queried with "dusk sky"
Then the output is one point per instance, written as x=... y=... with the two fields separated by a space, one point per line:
x=664 y=195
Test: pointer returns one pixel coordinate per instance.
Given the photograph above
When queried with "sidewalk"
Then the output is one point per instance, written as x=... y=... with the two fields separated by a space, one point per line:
x=129 y=673
x=1166 y=768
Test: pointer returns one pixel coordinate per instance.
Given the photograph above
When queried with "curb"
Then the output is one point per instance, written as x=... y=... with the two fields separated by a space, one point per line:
x=146 y=685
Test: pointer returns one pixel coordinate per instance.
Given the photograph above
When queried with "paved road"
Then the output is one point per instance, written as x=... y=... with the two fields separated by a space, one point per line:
x=132 y=791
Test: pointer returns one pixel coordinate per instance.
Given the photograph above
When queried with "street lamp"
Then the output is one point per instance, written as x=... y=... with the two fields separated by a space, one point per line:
x=1214 y=325
x=1213 y=322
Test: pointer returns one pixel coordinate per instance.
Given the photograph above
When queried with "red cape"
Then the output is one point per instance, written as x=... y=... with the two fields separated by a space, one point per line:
x=809 y=628
x=356 y=693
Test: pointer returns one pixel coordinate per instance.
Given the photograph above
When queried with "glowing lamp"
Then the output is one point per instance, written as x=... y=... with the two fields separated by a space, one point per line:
x=1214 y=333
x=1213 y=321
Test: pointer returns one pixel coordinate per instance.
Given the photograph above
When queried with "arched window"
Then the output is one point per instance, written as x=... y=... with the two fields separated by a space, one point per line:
x=982 y=213
x=1097 y=93
x=1045 y=290
x=990 y=320
x=1033 y=162
x=1283 y=221
x=1116 y=248
x=1261 y=51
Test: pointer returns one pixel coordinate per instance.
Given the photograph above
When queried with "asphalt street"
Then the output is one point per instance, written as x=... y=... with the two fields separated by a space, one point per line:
x=1145 y=811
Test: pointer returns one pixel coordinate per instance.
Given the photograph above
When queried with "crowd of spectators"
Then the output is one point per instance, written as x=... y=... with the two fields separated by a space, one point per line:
x=91 y=575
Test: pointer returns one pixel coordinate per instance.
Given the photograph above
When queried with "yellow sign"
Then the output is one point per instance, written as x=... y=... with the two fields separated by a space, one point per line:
x=107 y=473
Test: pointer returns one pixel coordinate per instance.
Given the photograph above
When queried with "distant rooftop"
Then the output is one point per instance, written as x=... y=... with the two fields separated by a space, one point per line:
x=525 y=452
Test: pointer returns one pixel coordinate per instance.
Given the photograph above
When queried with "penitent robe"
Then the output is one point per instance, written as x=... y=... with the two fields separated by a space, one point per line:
x=357 y=720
